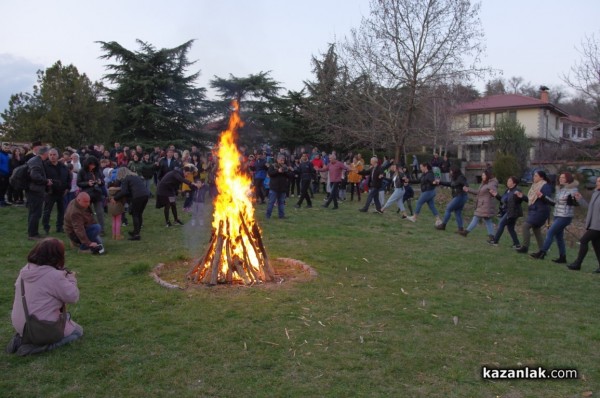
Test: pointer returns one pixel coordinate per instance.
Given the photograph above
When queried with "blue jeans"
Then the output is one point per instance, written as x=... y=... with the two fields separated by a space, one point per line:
x=427 y=197
x=148 y=182
x=77 y=333
x=93 y=233
x=397 y=197
x=509 y=223
x=456 y=205
x=278 y=197
x=488 y=224
x=557 y=229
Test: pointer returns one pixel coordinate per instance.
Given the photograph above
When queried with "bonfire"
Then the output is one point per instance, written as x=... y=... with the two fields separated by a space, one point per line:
x=236 y=253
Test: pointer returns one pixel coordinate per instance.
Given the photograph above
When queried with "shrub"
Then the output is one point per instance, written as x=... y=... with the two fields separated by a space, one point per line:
x=505 y=166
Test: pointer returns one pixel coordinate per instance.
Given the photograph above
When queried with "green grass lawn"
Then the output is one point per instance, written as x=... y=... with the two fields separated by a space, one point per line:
x=397 y=310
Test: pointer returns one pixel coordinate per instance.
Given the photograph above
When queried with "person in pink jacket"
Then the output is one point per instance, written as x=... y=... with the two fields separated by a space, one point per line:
x=48 y=285
x=335 y=168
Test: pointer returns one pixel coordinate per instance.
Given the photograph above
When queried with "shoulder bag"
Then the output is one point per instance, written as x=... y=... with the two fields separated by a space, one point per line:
x=40 y=332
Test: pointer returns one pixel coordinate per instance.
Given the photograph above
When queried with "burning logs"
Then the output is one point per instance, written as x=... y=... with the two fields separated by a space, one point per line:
x=236 y=252
x=242 y=259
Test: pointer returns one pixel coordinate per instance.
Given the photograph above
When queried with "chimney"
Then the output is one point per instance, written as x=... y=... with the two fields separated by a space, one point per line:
x=544 y=94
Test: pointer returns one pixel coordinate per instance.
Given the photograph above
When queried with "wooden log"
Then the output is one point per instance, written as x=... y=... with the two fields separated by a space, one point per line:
x=229 y=274
x=214 y=274
x=240 y=270
x=246 y=260
x=195 y=273
x=254 y=238
x=256 y=276
x=269 y=273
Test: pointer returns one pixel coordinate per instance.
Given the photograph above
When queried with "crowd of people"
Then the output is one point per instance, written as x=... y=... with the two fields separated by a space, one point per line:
x=86 y=185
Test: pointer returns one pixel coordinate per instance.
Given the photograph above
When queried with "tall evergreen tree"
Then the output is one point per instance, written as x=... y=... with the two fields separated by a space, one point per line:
x=292 y=122
x=258 y=99
x=155 y=100
x=325 y=109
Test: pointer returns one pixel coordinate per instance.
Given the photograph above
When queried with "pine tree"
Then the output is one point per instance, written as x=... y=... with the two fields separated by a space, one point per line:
x=155 y=100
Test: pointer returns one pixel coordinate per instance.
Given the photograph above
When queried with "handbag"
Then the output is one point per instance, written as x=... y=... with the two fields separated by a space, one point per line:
x=40 y=332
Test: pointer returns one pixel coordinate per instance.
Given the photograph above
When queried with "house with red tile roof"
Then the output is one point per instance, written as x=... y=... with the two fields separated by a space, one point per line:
x=578 y=129
x=475 y=122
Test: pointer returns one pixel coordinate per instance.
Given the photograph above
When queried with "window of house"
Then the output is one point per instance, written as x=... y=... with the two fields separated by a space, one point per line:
x=585 y=132
x=509 y=115
x=573 y=131
x=499 y=117
x=475 y=154
x=578 y=132
x=556 y=124
x=479 y=120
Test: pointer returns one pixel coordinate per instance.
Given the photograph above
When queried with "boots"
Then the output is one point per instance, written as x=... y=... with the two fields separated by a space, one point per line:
x=574 y=267
x=441 y=227
x=522 y=249
x=538 y=255
x=490 y=238
x=562 y=259
x=463 y=232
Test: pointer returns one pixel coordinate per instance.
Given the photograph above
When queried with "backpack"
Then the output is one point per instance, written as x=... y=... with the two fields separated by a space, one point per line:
x=19 y=179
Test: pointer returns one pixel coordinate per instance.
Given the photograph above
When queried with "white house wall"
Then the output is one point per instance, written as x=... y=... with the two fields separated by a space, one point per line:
x=534 y=121
x=540 y=124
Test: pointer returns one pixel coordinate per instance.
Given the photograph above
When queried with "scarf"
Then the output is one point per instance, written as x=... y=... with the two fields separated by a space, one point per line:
x=533 y=191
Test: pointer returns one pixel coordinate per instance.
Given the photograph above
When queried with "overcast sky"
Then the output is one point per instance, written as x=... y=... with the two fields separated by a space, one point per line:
x=529 y=38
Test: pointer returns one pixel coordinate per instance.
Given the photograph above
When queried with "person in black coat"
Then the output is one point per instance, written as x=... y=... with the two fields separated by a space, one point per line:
x=91 y=180
x=428 y=185
x=134 y=189
x=375 y=174
x=538 y=211
x=306 y=173
x=166 y=191
x=280 y=176
x=167 y=164
x=459 y=199
x=511 y=207
x=61 y=184
x=38 y=183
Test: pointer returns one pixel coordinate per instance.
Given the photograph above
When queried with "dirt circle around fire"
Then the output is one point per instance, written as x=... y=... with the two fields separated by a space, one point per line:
x=288 y=271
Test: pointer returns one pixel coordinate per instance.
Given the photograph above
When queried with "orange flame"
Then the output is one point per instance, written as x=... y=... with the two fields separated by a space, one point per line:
x=236 y=251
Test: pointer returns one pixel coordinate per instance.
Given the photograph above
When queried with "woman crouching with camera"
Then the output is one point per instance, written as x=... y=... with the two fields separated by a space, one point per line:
x=42 y=290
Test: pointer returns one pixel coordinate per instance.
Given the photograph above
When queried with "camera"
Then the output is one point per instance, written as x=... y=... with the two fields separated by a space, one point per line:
x=99 y=249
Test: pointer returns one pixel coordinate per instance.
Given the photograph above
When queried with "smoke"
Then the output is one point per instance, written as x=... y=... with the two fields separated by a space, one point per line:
x=197 y=231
